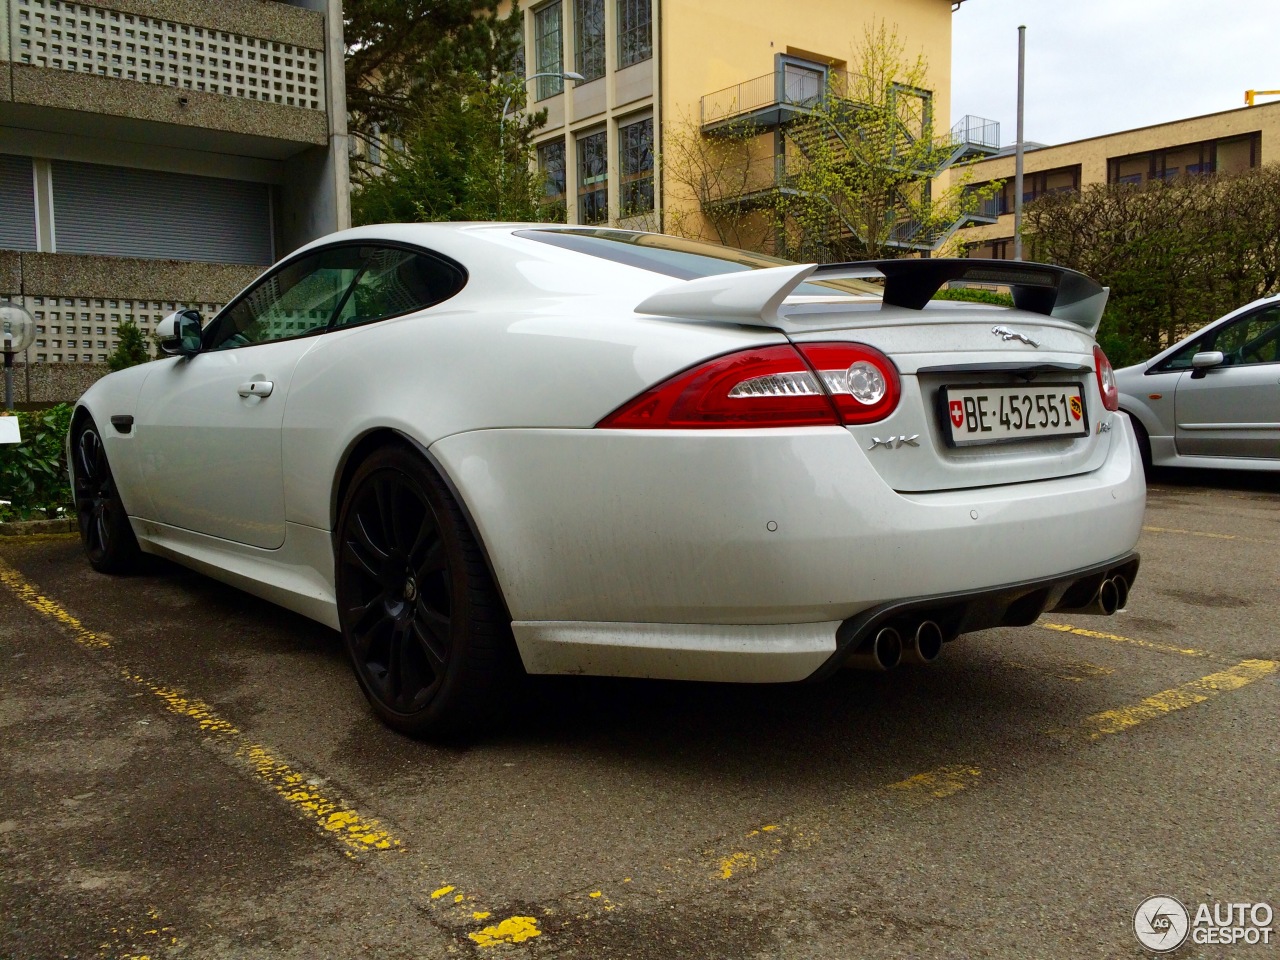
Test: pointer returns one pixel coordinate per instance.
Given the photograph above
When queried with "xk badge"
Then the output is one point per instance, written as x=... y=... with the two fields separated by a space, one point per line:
x=893 y=443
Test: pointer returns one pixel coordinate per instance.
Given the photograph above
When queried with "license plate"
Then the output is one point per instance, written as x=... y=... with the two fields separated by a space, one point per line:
x=997 y=414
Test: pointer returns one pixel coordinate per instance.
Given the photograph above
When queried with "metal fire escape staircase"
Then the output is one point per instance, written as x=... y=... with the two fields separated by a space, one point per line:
x=743 y=107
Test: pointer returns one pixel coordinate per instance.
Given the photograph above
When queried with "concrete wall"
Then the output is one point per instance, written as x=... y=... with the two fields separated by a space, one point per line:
x=75 y=297
x=54 y=382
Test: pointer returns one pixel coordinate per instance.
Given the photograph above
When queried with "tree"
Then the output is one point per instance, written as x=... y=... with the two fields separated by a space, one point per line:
x=460 y=161
x=856 y=177
x=720 y=188
x=131 y=347
x=429 y=82
x=862 y=164
x=400 y=53
x=1175 y=253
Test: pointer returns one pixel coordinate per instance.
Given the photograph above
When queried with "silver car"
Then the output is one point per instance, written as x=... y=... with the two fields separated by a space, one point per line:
x=1213 y=399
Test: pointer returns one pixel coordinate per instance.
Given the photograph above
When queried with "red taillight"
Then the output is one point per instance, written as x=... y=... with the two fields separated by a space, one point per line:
x=832 y=383
x=1106 y=379
x=862 y=381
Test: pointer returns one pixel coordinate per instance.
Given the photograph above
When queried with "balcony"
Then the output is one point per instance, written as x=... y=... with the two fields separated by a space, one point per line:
x=768 y=100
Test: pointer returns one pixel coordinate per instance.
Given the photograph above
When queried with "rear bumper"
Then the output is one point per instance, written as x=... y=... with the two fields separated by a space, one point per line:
x=763 y=527
x=781 y=653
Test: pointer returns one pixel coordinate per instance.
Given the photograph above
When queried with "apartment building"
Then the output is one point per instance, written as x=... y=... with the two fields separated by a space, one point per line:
x=654 y=68
x=1228 y=142
x=157 y=154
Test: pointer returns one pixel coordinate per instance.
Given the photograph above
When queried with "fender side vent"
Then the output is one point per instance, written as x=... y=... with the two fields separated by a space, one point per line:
x=123 y=422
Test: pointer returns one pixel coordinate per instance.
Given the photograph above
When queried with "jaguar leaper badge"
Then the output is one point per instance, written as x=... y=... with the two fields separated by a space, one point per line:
x=1005 y=334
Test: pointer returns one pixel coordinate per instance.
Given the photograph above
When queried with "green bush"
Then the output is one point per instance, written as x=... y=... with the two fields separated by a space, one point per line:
x=33 y=473
x=975 y=295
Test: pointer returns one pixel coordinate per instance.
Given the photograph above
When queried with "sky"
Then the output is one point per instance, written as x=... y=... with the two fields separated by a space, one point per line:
x=1099 y=66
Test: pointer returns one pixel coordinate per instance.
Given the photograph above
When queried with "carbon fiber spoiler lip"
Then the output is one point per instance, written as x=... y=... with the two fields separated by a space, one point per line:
x=756 y=297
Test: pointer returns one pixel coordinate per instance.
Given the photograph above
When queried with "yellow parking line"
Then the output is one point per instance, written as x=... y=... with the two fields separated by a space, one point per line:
x=355 y=831
x=1178 y=698
x=1114 y=638
x=1208 y=535
x=940 y=783
x=32 y=597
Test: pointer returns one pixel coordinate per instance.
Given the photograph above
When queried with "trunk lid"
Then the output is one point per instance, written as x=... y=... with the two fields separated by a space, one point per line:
x=971 y=355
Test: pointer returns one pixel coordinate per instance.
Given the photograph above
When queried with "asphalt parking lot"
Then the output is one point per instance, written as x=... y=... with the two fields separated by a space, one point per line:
x=190 y=772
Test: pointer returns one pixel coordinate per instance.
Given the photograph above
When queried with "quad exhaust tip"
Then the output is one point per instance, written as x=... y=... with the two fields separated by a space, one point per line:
x=1111 y=597
x=925 y=644
x=882 y=652
x=890 y=646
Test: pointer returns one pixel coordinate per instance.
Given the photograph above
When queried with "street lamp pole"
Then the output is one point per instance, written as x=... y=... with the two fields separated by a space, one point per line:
x=17 y=330
x=502 y=126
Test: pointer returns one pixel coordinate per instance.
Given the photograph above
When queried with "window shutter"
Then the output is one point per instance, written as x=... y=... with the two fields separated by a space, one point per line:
x=123 y=212
x=17 y=204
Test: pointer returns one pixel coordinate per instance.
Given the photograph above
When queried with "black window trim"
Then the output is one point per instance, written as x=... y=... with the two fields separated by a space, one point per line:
x=464 y=275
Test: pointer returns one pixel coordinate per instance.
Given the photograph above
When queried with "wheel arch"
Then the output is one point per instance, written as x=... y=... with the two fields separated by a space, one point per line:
x=362 y=447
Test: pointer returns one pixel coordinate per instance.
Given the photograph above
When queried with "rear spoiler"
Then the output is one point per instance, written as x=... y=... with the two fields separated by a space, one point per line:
x=754 y=297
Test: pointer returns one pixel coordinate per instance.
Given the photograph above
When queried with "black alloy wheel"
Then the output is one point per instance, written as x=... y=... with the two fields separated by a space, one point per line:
x=422 y=622
x=104 y=526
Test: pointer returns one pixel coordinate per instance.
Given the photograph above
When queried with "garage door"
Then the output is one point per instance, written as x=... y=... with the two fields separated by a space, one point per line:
x=123 y=212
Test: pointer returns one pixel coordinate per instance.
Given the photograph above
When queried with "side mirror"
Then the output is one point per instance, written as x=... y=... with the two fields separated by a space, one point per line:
x=1202 y=362
x=179 y=333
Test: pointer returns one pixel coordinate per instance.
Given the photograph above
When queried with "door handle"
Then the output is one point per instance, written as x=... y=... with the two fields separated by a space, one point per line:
x=256 y=388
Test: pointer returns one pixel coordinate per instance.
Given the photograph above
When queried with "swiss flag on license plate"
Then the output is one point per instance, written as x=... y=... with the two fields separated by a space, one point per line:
x=957 y=412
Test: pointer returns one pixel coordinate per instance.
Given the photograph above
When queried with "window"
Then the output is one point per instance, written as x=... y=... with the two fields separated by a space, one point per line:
x=551 y=165
x=549 y=49
x=310 y=295
x=1253 y=338
x=394 y=281
x=635 y=33
x=635 y=166
x=683 y=259
x=1228 y=155
x=593 y=178
x=297 y=298
x=802 y=84
x=1001 y=249
x=588 y=38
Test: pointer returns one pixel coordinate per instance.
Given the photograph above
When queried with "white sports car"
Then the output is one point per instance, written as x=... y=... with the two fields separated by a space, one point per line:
x=477 y=447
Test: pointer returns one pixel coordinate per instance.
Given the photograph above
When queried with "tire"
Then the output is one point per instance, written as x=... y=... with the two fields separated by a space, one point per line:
x=1144 y=443
x=427 y=633
x=105 y=532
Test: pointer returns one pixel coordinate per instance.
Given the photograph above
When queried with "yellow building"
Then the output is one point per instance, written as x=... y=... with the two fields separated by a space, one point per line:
x=1227 y=142
x=652 y=68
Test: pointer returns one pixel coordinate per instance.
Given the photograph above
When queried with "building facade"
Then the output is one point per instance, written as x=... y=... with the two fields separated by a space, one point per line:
x=157 y=154
x=657 y=69
x=1229 y=142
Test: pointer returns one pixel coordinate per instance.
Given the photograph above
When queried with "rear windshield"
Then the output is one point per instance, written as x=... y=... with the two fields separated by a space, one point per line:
x=684 y=259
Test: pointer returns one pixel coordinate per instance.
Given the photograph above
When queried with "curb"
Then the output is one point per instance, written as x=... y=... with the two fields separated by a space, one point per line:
x=27 y=528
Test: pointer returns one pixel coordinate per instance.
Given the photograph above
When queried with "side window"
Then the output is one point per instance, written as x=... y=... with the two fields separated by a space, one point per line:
x=299 y=298
x=1253 y=338
x=398 y=281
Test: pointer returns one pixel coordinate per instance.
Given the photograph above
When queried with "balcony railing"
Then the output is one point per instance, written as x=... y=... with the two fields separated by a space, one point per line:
x=979 y=133
x=772 y=97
